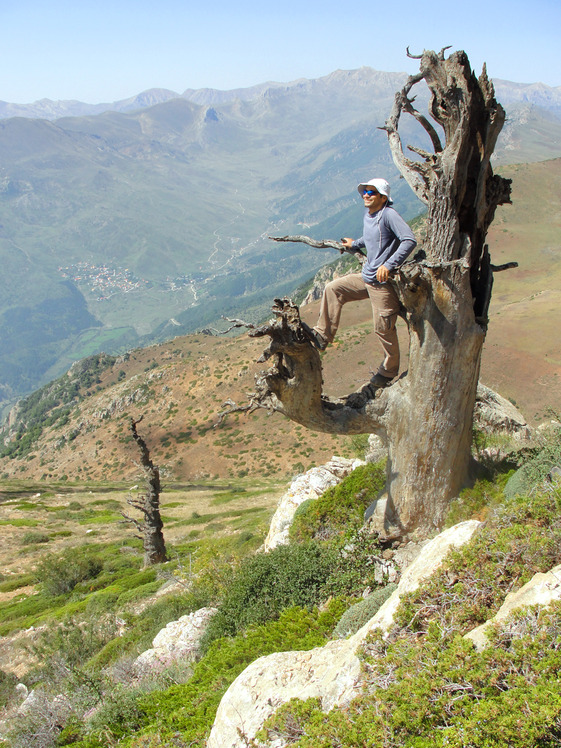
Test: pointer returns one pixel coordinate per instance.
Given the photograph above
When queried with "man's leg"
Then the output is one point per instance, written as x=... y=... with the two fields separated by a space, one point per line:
x=337 y=293
x=385 y=308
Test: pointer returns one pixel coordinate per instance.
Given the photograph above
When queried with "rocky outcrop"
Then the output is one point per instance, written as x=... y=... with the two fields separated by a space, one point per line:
x=179 y=640
x=324 y=276
x=331 y=673
x=310 y=485
x=495 y=414
x=377 y=450
x=541 y=590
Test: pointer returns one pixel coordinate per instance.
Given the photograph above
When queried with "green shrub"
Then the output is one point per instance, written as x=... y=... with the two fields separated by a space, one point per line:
x=519 y=539
x=340 y=508
x=475 y=502
x=139 y=593
x=440 y=693
x=358 y=444
x=59 y=575
x=142 y=628
x=8 y=682
x=535 y=470
x=119 y=714
x=63 y=648
x=268 y=582
x=356 y=616
x=34 y=538
x=354 y=563
x=19 y=522
x=14 y=583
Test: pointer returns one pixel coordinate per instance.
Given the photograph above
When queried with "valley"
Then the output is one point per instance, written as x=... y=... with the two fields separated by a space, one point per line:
x=184 y=192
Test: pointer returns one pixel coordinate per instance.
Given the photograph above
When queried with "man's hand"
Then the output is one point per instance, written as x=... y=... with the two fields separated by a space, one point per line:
x=347 y=243
x=382 y=274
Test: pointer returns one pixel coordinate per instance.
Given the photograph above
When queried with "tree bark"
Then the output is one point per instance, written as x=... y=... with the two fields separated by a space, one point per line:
x=426 y=416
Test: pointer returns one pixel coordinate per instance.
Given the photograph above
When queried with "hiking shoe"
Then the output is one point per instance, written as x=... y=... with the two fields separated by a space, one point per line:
x=379 y=380
x=316 y=338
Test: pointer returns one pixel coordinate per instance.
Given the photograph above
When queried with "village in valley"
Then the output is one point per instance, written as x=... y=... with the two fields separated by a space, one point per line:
x=104 y=281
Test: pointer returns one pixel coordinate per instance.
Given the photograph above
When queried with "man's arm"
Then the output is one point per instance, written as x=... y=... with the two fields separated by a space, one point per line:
x=406 y=238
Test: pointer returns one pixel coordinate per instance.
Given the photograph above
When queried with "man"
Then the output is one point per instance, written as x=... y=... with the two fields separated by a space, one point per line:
x=388 y=241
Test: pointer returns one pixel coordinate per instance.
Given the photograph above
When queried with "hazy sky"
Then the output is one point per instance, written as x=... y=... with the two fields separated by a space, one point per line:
x=107 y=50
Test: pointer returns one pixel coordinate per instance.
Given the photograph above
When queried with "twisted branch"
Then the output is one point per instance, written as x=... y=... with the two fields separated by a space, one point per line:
x=321 y=244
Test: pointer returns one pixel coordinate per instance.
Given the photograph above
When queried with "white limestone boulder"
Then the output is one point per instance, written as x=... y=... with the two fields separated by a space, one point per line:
x=179 y=640
x=377 y=449
x=542 y=589
x=494 y=414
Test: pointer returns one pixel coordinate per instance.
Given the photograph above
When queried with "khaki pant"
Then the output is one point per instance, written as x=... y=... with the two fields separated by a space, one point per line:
x=385 y=308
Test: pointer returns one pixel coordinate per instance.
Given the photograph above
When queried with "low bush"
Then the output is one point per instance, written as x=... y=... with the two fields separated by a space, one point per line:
x=266 y=583
x=40 y=725
x=59 y=575
x=142 y=628
x=534 y=470
x=34 y=538
x=190 y=709
x=477 y=501
x=64 y=649
x=519 y=539
x=119 y=714
x=354 y=559
x=8 y=682
x=14 y=583
x=357 y=615
x=340 y=508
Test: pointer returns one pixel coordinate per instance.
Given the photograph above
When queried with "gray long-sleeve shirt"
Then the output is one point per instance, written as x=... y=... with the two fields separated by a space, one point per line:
x=388 y=241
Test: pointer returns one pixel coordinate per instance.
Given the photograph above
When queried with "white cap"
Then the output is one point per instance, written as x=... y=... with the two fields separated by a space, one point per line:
x=379 y=184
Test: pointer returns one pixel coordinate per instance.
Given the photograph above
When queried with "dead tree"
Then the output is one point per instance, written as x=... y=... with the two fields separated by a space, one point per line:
x=151 y=527
x=426 y=416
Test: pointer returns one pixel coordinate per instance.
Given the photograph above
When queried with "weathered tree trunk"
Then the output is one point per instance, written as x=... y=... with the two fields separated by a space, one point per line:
x=426 y=417
x=151 y=528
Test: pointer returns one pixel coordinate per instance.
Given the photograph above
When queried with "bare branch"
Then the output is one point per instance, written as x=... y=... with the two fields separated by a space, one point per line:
x=235 y=408
x=421 y=152
x=417 y=180
x=323 y=244
x=136 y=504
x=411 y=56
x=422 y=120
x=506 y=266
x=235 y=324
x=131 y=520
x=293 y=383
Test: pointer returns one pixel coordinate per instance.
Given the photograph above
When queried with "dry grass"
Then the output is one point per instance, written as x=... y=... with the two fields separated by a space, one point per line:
x=80 y=516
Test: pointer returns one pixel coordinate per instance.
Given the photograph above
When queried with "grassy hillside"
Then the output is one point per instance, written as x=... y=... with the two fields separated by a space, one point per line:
x=93 y=611
x=180 y=388
x=521 y=357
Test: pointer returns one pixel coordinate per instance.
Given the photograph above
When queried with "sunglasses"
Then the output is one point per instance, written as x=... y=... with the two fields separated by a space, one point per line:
x=369 y=193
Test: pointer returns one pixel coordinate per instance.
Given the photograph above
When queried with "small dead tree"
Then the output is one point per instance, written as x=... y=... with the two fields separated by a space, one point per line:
x=150 y=529
x=426 y=417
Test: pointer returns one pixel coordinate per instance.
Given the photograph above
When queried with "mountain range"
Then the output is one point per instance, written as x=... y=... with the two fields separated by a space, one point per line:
x=536 y=94
x=132 y=223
